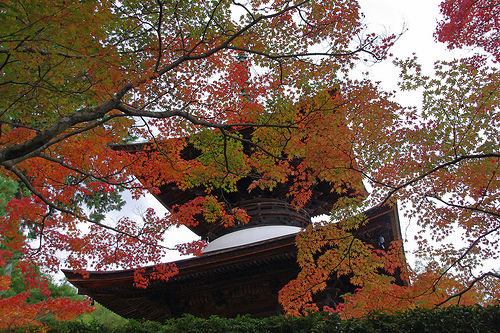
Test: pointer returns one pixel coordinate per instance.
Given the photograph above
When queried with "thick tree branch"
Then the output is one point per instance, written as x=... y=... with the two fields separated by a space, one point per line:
x=45 y=136
x=159 y=36
x=395 y=189
x=12 y=155
x=303 y=54
x=46 y=53
x=474 y=209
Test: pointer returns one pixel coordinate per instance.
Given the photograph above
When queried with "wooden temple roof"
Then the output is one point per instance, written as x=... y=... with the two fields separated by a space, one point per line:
x=239 y=280
x=226 y=283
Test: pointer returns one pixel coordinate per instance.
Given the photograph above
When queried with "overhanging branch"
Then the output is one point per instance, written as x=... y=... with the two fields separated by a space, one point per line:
x=63 y=210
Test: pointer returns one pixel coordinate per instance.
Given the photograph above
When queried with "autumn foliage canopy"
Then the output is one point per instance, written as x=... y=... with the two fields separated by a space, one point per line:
x=79 y=78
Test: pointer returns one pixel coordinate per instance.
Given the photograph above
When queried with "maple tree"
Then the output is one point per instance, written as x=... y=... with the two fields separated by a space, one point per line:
x=471 y=23
x=441 y=164
x=80 y=78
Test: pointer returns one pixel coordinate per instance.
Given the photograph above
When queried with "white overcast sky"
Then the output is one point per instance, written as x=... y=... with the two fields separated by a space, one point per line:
x=419 y=19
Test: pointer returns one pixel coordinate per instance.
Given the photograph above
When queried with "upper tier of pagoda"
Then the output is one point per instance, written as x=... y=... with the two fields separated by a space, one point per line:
x=264 y=207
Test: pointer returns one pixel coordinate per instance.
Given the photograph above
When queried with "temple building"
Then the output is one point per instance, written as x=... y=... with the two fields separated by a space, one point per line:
x=243 y=267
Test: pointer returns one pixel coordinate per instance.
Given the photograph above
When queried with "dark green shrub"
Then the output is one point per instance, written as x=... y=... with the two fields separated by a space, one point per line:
x=452 y=319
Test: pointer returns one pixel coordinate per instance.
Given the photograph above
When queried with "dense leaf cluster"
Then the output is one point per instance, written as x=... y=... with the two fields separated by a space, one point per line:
x=451 y=319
